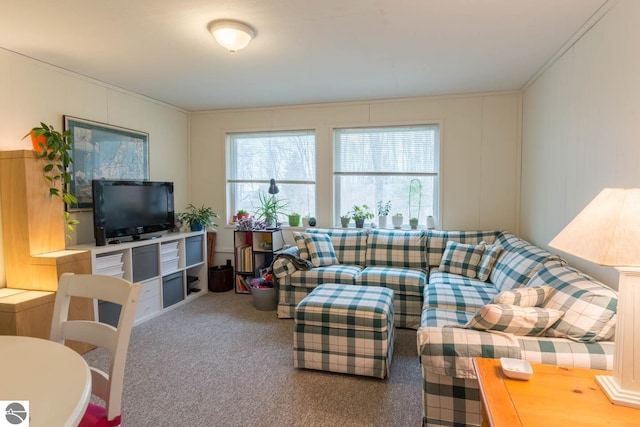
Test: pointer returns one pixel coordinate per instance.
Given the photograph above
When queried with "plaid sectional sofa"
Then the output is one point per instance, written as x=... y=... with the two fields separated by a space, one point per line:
x=441 y=305
x=581 y=338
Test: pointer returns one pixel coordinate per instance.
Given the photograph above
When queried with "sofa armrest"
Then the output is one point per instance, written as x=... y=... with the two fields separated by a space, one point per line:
x=450 y=350
x=564 y=352
x=282 y=266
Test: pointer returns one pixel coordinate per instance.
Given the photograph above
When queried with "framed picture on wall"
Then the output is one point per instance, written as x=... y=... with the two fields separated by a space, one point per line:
x=102 y=151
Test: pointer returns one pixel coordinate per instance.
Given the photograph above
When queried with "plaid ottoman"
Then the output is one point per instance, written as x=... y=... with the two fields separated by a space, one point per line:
x=345 y=328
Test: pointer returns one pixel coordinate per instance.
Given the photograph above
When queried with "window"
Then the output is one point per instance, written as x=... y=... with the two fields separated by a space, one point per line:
x=397 y=163
x=289 y=157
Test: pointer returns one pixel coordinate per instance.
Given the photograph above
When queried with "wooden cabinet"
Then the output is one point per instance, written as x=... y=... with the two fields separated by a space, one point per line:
x=34 y=246
x=33 y=226
x=254 y=252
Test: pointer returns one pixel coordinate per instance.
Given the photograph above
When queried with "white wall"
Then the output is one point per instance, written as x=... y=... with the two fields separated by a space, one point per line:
x=31 y=92
x=581 y=129
x=480 y=153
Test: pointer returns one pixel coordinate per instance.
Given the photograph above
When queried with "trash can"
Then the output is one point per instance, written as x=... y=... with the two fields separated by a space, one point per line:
x=221 y=278
x=265 y=299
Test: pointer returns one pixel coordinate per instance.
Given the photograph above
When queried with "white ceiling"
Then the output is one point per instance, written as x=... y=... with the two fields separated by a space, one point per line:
x=305 y=51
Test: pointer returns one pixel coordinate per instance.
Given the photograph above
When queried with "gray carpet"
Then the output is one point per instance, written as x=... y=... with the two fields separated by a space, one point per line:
x=217 y=361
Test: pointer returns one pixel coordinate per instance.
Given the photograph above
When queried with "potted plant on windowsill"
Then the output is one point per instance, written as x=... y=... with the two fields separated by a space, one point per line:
x=413 y=223
x=360 y=213
x=397 y=220
x=54 y=148
x=383 y=212
x=269 y=209
x=241 y=214
x=199 y=218
x=344 y=219
x=294 y=219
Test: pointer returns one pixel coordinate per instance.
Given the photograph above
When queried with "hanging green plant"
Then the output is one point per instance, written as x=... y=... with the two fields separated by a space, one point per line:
x=55 y=151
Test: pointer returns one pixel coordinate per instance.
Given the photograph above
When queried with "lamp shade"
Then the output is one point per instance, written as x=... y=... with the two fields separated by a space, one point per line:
x=607 y=231
x=273 y=188
x=232 y=35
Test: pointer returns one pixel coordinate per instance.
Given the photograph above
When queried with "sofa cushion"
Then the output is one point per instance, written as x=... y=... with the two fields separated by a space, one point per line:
x=350 y=245
x=489 y=259
x=437 y=241
x=461 y=258
x=516 y=266
x=320 y=249
x=339 y=273
x=524 y=297
x=402 y=249
x=589 y=306
x=454 y=292
x=514 y=319
x=439 y=317
x=403 y=281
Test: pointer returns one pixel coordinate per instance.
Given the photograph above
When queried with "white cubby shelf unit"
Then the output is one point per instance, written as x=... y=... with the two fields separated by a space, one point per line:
x=170 y=267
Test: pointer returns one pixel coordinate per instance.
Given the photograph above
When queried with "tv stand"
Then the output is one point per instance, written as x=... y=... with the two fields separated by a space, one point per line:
x=172 y=269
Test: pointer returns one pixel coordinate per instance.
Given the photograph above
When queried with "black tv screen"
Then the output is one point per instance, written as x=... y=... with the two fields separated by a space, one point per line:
x=132 y=208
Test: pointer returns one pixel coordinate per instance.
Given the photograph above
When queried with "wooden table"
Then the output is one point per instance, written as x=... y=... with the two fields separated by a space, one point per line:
x=53 y=378
x=553 y=396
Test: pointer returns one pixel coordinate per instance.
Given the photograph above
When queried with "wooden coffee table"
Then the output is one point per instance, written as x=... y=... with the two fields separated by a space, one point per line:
x=553 y=396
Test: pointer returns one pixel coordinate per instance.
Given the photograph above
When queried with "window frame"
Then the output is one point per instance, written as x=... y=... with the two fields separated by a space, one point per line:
x=231 y=201
x=438 y=161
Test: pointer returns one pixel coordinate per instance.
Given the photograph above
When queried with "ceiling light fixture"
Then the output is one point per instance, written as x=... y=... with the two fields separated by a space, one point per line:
x=232 y=35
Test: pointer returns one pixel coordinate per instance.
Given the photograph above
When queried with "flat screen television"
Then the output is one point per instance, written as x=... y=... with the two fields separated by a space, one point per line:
x=132 y=208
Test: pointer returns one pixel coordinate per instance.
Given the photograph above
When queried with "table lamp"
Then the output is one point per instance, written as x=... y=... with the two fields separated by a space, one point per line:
x=273 y=188
x=607 y=232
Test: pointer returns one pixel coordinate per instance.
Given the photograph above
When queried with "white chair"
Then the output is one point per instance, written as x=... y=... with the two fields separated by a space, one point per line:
x=106 y=386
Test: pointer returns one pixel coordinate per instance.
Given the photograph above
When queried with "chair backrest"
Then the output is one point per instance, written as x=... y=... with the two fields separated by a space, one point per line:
x=107 y=386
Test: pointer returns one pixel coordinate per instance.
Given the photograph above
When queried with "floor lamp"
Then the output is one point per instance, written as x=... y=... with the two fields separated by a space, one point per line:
x=607 y=232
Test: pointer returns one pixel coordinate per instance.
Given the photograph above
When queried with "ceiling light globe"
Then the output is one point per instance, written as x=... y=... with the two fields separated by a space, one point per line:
x=232 y=35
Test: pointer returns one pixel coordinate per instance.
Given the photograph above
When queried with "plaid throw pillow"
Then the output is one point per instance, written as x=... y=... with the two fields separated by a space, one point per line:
x=298 y=237
x=513 y=319
x=489 y=259
x=524 y=297
x=590 y=307
x=320 y=249
x=462 y=259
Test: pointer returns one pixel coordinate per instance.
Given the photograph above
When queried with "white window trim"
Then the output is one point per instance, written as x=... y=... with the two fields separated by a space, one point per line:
x=438 y=205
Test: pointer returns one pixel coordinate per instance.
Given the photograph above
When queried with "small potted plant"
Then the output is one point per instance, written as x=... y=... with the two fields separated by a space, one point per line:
x=360 y=213
x=397 y=220
x=383 y=212
x=344 y=219
x=54 y=148
x=294 y=219
x=199 y=218
x=269 y=209
x=413 y=223
x=242 y=214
